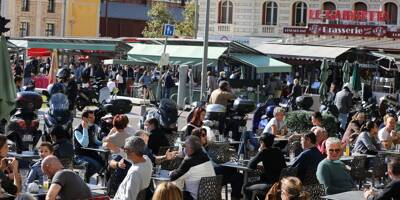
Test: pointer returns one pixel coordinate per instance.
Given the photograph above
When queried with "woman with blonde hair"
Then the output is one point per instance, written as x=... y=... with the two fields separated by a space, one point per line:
x=292 y=189
x=167 y=191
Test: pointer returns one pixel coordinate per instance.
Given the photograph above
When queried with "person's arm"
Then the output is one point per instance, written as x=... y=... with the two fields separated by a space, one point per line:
x=254 y=162
x=32 y=176
x=387 y=193
x=83 y=138
x=274 y=129
x=53 y=191
x=8 y=185
x=368 y=143
x=181 y=172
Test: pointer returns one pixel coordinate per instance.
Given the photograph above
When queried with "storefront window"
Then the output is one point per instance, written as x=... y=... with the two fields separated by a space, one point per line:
x=360 y=6
x=299 y=14
x=270 y=13
x=391 y=10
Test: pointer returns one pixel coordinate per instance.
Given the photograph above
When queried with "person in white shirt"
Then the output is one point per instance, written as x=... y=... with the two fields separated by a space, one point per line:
x=139 y=174
x=387 y=135
x=276 y=125
x=111 y=85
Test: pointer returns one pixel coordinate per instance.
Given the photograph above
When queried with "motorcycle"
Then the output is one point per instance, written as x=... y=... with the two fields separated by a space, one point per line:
x=24 y=122
x=166 y=114
x=58 y=113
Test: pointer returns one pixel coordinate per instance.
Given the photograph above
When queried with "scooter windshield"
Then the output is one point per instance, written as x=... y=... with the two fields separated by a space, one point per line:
x=59 y=102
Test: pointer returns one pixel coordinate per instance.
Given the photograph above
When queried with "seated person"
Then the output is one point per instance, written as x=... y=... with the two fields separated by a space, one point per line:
x=157 y=138
x=85 y=136
x=309 y=159
x=273 y=162
x=388 y=135
x=9 y=176
x=139 y=174
x=195 y=166
x=65 y=183
x=119 y=132
x=196 y=121
x=63 y=148
x=331 y=172
x=366 y=142
x=229 y=175
x=354 y=127
x=321 y=136
x=392 y=190
x=36 y=173
x=276 y=125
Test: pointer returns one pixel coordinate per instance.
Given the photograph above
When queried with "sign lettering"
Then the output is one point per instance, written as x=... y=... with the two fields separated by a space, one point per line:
x=348 y=15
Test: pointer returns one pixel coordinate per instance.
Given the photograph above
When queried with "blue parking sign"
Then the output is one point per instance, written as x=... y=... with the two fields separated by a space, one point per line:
x=168 y=30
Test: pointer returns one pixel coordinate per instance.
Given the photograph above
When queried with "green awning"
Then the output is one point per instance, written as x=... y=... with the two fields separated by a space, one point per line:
x=72 y=43
x=120 y=62
x=263 y=64
x=178 y=54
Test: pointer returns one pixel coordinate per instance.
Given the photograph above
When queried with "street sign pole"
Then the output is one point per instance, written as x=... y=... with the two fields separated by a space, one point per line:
x=168 y=31
x=205 y=53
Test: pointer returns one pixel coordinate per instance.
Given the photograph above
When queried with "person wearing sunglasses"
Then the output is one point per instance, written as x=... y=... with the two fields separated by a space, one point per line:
x=331 y=172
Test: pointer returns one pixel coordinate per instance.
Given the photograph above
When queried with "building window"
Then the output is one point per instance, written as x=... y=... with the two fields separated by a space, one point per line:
x=50 y=30
x=329 y=6
x=392 y=12
x=360 y=6
x=25 y=5
x=299 y=14
x=51 y=6
x=270 y=13
x=225 y=12
x=24 y=29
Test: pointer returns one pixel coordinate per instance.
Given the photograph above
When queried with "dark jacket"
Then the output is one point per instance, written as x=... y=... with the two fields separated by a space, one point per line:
x=63 y=149
x=343 y=101
x=307 y=160
x=157 y=139
x=391 y=192
x=78 y=147
x=197 y=158
x=273 y=162
x=366 y=144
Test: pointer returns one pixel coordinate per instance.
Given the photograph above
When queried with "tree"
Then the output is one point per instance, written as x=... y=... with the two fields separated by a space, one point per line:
x=158 y=16
x=186 y=27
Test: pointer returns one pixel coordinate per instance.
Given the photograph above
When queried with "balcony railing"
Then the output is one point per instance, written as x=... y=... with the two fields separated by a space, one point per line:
x=268 y=29
x=224 y=28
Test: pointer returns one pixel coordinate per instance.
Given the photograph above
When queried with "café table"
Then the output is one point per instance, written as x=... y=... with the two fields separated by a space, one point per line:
x=353 y=195
x=160 y=177
x=390 y=152
x=25 y=155
x=349 y=158
x=106 y=153
x=240 y=167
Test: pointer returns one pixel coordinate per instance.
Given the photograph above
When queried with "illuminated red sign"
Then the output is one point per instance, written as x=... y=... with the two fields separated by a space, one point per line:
x=338 y=29
x=348 y=15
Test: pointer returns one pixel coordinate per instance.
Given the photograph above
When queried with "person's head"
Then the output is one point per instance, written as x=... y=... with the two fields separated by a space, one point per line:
x=3 y=146
x=267 y=140
x=279 y=113
x=209 y=73
x=224 y=86
x=370 y=127
x=320 y=134
x=292 y=189
x=167 y=191
x=308 y=140
x=198 y=117
x=88 y=116
x=393 y=169
x=45 y=149
x=390 y=123
x=202 y=134
x=296 y=81
x=134 y=148
x=333 y=148
x=333 y=87
x=359 y=117
x=51 y=165
x=144 y=135
x=151 y=124
x=222 y=74
x=316 y=119
x=18 y=80
x=192 y=144
x=120 y=122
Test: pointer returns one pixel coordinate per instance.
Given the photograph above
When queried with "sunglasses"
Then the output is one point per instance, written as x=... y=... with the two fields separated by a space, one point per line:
x=335 y=150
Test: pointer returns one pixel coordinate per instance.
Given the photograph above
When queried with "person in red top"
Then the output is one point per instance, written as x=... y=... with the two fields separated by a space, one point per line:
x=321 y=135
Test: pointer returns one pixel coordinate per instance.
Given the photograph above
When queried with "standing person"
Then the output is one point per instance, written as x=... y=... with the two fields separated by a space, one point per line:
x=343 y=103
x=273 y=161
x=28 y=71
x=85 y=136
x=78 y=73
x=366 y=142
x=222 y=95
x=169 y=83
x=9 y=174
x=196 y=121
x=221 y=77
x=18 y=83
x=120 y=83
x=195 y=166
x=139 y=174
x=296 y=90
x=145 y=80
x=331 y=172
x=331 y=94
x=65 y=183
x=64 y=77
x=392 y=190
x=212 y=83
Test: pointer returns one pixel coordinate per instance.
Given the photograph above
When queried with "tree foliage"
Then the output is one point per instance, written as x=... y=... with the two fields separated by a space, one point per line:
x=186 y=27
x=158 y=16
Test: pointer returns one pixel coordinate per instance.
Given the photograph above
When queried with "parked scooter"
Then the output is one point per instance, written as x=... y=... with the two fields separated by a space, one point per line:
x=166 y=114
x=24 y=122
